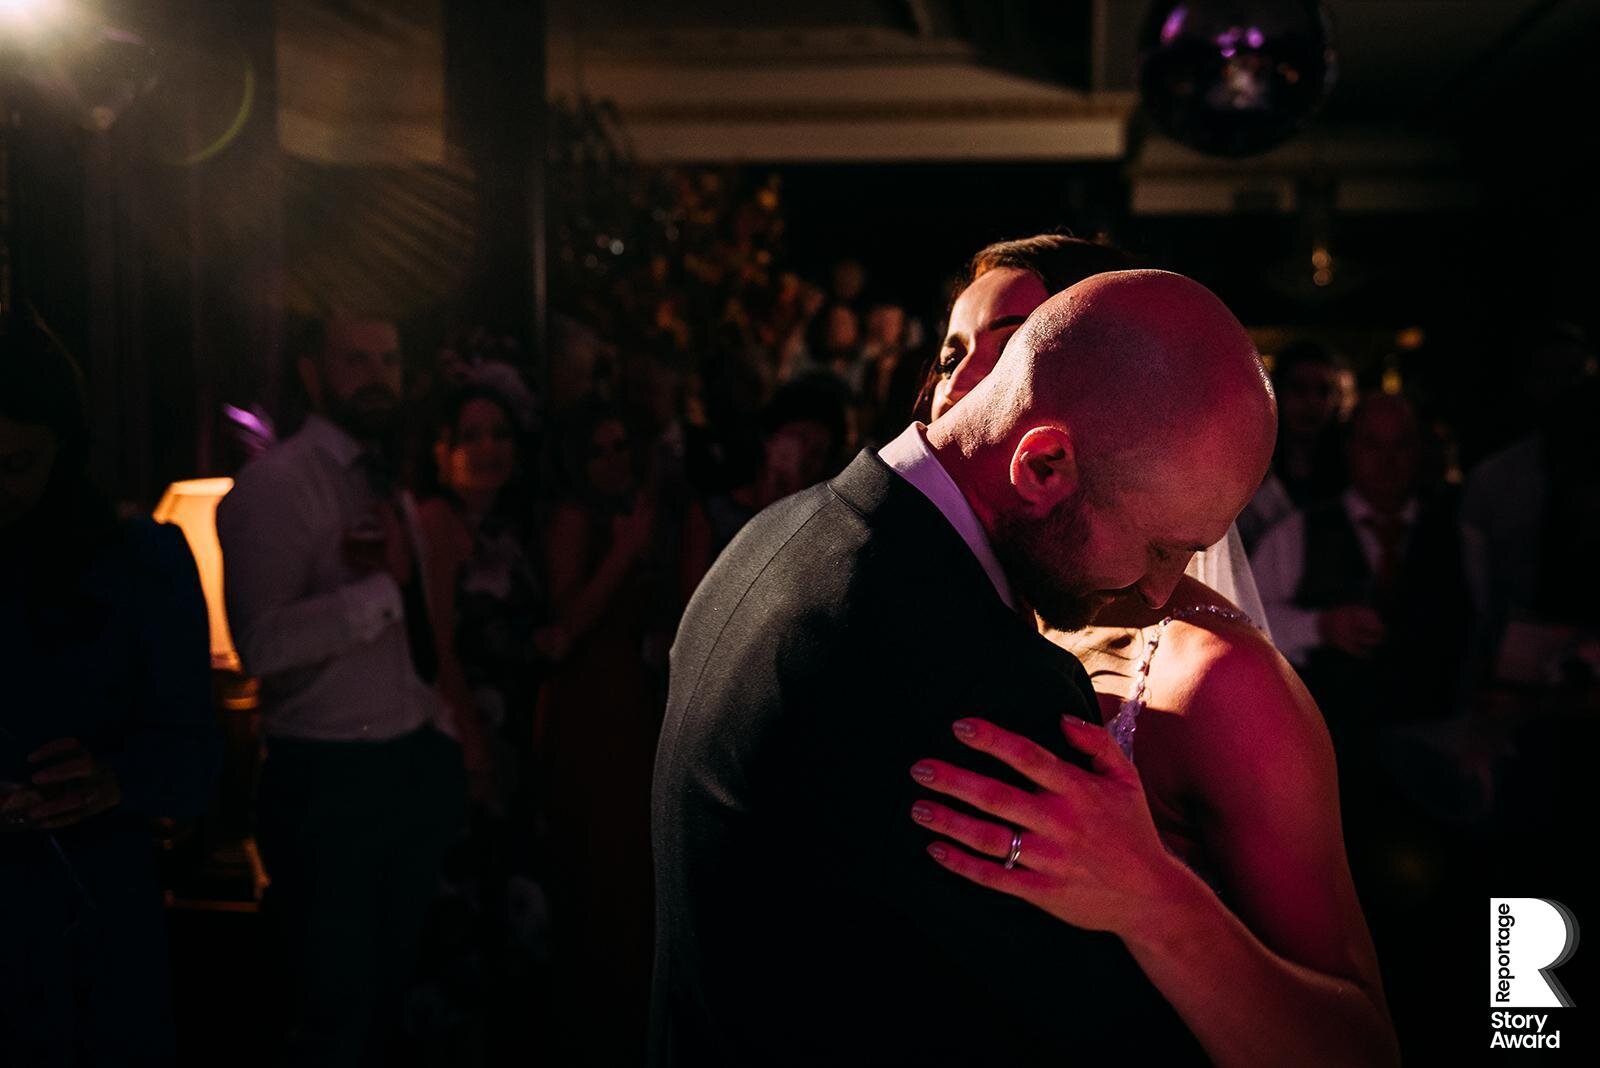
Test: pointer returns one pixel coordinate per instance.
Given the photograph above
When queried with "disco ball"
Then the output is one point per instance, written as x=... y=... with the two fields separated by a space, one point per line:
x=1235 y=77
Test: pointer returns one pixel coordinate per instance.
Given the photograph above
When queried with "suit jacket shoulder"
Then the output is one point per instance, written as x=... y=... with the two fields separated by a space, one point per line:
x=830 y=647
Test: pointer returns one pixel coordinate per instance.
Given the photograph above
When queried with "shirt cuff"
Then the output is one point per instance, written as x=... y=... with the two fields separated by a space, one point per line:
x=371 y=605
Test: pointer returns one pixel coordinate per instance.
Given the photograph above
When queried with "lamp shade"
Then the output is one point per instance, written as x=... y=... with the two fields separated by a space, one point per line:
x=191 y=506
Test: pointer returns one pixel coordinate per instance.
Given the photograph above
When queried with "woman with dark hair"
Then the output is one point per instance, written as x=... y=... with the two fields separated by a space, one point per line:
x=106 y=726
x=489 y=602
x=496 y=645
x=602 y=716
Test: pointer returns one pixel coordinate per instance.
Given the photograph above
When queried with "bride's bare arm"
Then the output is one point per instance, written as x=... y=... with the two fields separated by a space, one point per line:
x=1285 y=972
x=1302 y=979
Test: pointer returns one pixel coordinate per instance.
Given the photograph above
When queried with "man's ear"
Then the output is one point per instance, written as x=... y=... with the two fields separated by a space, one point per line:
x=310 y=379
x=1044 y=469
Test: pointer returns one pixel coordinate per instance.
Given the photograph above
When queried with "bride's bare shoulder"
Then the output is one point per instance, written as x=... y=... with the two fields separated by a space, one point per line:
x=1228 y=676
x=1250 y=726
x=1207 y=631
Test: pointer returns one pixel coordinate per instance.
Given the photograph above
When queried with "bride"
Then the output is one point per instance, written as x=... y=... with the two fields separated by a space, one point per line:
x=1212 y=750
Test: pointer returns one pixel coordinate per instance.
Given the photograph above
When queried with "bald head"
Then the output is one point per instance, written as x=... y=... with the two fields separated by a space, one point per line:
x=1384 y=451
x=1142 y=365
x=1133 y=401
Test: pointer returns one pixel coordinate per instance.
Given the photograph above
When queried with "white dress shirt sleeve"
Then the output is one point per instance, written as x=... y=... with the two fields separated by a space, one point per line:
x=1279 y=564
x=268 y=556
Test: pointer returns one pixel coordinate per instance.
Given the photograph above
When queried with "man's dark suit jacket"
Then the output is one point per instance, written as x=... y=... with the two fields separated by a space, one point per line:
x=799 y=917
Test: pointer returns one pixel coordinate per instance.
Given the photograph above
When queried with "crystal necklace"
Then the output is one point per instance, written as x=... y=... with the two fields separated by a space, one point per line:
x=1127 y=718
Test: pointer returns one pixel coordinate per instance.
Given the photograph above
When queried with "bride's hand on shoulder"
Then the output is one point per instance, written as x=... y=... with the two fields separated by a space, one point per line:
x=1090 y=852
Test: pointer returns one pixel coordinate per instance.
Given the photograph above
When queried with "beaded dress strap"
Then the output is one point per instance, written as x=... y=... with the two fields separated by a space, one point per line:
x=1126 y=720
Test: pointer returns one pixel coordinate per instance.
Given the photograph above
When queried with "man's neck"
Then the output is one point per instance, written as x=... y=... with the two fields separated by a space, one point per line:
x=963 y=460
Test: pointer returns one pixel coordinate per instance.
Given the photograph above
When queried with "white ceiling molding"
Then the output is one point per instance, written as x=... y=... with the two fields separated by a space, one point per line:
x=857 y=95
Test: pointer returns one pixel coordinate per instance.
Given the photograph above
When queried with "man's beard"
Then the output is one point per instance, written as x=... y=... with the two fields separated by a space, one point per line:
x=370 y=413
x=1043 y=559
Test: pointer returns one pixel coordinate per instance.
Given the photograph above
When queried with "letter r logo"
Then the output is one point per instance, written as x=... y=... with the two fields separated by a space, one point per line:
x=1529 y=937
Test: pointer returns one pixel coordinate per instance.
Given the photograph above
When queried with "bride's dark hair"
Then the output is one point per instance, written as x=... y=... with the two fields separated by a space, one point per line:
x=1059 y=260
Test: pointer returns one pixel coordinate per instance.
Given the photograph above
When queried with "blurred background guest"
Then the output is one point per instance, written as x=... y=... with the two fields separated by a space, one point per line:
x=1308 y=464
x=1531 y=534
x=489 y=601
x=599 y=734
x=805 y=438
x=492 y=626
x=1366 y=596
x=106 y=726
x=893 y=362
x=833 y=345
x=1512 y=503
x=848 y=282
x=362 y=789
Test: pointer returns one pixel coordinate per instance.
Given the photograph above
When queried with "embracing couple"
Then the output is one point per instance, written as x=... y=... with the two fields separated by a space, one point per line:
x=894 y=821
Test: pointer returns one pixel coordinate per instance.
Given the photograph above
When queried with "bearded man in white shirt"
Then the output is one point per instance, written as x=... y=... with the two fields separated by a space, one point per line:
x=362 y=790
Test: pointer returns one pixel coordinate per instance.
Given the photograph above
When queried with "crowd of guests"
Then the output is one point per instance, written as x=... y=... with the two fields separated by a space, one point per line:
x=1383 y=570
x=459 y=583
x=1444 y=623
x=460 y=602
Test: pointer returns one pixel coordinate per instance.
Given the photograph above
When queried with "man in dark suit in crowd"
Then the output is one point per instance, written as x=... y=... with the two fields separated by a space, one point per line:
x=832 y=645
x=1367 y=597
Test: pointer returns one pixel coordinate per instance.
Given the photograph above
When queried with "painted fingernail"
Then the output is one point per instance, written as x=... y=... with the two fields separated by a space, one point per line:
x=964 y=727
x=937 y=851
x=1074 y=721
x=922 y=772
x=922 y=813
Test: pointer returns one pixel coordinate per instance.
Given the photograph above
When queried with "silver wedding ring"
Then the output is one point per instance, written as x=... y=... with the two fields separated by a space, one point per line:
x=1016 y=850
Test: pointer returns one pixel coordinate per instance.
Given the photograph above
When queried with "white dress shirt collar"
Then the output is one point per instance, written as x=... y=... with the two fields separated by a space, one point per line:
x=1360 y=510
x=913 y=460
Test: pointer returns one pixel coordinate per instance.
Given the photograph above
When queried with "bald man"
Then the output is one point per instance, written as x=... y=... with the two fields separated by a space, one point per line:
x=835 y=641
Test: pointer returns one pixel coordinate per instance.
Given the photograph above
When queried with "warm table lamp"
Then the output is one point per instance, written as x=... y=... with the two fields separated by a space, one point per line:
x=192 y=507
x=231 y=859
